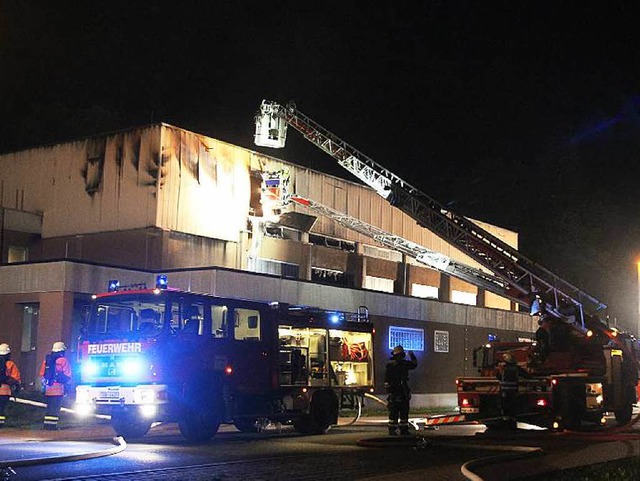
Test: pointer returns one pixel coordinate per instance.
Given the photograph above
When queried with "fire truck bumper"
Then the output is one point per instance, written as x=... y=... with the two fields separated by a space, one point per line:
x=92 y=398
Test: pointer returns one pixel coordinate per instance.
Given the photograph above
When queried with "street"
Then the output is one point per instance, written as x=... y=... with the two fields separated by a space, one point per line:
x=283 y=454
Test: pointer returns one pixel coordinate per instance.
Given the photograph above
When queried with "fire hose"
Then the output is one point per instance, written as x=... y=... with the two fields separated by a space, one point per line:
x=29 y=402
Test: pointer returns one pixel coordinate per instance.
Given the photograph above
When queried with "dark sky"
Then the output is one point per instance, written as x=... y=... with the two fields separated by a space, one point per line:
x=523 y=114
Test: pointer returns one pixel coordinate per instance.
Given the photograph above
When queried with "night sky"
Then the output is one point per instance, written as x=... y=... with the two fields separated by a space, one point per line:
x=522 y=114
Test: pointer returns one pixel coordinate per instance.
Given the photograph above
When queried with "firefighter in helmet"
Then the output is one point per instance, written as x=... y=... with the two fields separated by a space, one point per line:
x=56 y=376
x=9 y=379
x=396 y=378
x=509 y=375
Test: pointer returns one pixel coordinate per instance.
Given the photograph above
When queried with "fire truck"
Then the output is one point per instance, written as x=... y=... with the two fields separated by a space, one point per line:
x=161 y=354
x=578 y=369
x=569 y=375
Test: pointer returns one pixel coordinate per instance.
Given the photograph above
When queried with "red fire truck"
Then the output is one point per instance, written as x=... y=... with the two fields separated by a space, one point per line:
x=165 y=355
x=579 y=376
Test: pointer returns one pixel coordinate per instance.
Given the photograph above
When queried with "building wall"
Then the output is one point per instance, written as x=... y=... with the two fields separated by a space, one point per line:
x=58 y=287
x=98 y=184
x=204 y=185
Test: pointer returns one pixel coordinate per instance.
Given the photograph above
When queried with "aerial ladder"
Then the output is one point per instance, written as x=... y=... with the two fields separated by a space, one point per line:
x=514 y=276
x=425 y=256
x=525 y=281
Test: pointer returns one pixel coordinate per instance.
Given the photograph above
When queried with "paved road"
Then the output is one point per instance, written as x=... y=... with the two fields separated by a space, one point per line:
x=285 y=455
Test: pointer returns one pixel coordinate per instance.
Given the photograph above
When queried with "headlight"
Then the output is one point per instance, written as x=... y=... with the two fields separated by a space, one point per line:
x=148 y=410
x=90 y=368
x=131 y=367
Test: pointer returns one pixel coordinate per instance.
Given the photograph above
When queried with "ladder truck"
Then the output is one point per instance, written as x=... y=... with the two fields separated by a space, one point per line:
x=595 y=369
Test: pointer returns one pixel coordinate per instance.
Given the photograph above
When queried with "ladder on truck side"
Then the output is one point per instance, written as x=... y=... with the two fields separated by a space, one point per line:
x=523 y=276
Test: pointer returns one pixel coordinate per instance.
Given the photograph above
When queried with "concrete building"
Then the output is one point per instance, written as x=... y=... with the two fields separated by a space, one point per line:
x=160 y=199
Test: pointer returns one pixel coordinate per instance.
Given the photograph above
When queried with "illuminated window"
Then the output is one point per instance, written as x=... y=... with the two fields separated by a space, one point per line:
x=17 y=254
x=426 y=292
x=441 y=341
x=460 y=297
x=407 y=337
x=378 y=284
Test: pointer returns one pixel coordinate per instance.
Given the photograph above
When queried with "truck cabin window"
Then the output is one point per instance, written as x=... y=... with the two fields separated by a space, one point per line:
x=126 y=317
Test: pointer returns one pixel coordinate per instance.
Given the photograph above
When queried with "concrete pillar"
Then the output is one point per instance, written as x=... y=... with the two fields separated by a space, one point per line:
x=444 y=293
x=480 y=298
x=357 y=266
x=402 y=277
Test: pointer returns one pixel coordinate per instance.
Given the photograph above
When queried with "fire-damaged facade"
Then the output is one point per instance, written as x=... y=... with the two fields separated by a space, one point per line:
x=160 y=199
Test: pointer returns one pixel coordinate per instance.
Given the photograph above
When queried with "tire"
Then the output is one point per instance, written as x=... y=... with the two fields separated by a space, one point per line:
x=199 y=419
x=322 y=414
x=129 y=425
x=246 y=425
x=624 y=414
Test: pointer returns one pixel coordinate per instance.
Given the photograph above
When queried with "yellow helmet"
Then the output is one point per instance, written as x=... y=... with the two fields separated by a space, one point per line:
x=4 y=349
x=58 y=347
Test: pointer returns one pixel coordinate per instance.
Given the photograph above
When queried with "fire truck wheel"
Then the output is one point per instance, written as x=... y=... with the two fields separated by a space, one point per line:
x=199 y=420
x=128 y=425
x=322 y=414
x=624 y=414
x=246 y=425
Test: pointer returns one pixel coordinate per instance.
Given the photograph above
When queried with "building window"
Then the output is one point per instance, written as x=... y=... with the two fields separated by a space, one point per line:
x=17 y=254
x=30 y=314
x=424 y=291
x=378 y=284
x=278 y=268
x=320 y=240
x=441 y=341
x=460 y=297
x=409 y=338
x=330 y=276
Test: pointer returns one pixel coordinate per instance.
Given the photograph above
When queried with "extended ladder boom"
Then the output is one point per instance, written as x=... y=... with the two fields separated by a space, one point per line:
x=524 y=276
x=433 y=259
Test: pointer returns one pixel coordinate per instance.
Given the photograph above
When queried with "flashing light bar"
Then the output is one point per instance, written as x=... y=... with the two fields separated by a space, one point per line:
x=161 y=282
x=114 y=285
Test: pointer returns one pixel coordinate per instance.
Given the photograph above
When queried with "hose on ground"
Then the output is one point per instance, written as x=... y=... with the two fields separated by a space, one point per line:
x=119 y=442
x=38 y=404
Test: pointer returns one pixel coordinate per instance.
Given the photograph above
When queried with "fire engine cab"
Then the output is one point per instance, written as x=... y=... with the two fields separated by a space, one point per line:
x=164 y=355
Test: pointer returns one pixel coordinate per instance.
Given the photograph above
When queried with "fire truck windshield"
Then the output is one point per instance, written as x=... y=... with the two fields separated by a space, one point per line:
x=142 y=315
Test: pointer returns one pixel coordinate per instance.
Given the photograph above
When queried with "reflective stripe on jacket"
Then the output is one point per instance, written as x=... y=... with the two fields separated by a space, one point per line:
x=12 y=372
x=63 y=367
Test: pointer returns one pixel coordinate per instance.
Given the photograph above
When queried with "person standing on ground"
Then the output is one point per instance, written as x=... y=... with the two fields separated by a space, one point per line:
x=396 y=378
x=9 y=379
x=56 y=375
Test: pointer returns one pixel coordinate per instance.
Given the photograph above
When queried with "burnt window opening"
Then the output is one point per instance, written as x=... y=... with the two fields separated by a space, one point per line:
x=331 y=242
x=331 y=276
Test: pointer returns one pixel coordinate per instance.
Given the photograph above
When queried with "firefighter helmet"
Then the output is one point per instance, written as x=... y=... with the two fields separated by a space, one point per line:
x=398 y=351
x=4 y=349
x=58 y=347
x=508 y=357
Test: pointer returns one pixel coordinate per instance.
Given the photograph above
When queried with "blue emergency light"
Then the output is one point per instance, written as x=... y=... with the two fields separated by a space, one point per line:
x=493 y=338
x=114 y=285
x=336 y=317
x=161 y=282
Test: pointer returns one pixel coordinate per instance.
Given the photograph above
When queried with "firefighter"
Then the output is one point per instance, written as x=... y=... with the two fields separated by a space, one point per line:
x=509 y=377
x=9 y=379
x=56 y=375
x=542 y=339
x=396 y=379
